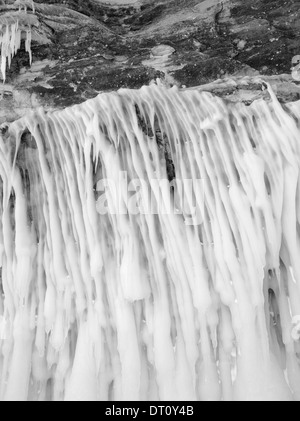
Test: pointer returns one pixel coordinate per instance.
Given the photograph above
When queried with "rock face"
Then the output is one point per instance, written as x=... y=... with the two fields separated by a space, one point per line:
x=83 y=47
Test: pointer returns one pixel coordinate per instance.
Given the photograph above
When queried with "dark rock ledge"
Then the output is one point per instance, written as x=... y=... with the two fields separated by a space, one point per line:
x=83 y=47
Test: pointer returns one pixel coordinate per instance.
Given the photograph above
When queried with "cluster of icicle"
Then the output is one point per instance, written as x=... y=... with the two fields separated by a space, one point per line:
x=11 y=34
x=145 y=306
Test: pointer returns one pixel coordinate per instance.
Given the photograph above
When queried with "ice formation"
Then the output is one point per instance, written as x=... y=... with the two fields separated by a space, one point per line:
x=137 y=305
x=11 y=34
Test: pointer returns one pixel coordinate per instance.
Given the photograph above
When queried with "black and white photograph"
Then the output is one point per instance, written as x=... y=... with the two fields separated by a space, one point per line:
x=149 y=203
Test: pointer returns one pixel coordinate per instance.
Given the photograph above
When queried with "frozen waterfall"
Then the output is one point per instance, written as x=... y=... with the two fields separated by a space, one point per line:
x=150 y=250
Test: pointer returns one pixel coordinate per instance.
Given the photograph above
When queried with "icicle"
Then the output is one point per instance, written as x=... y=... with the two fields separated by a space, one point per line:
x=10 y=38
x=28 y=44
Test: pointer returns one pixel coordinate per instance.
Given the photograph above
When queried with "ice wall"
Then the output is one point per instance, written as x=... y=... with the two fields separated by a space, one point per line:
x=149 y=244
